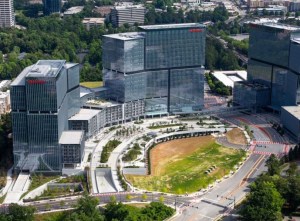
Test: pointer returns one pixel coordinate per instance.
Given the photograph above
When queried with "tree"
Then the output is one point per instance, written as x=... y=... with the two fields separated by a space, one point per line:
x=263 y=203
x=20 y=213
x=292 y=169
x=86 y=209
x=161 y=199
x=144 y=197
x=128 y=197
x=273 y=164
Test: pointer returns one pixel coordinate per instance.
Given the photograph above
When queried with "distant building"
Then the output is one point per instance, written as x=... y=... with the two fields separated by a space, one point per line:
x=131 y=15
x=92 y=22
x=52 y=6
x=7 y=15
x=272 y=10
x=4 y=102
x=104 y=11
x=294 y=6
x=73 y=10
x=4 y=84
x=191 y=2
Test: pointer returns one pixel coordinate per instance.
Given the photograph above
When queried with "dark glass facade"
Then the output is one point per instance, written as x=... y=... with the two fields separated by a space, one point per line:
x=124 y=52
x=51 y=6
x=186 y=90
x=172 y=47
x=273 y=61
x=163 y=65
x=270 y=43
x=40 y=114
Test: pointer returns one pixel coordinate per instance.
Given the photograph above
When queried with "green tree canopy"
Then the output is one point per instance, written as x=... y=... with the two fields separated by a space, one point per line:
x=263 y=203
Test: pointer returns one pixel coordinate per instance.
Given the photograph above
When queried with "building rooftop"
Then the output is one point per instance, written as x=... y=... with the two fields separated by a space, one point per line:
x=20 y=79
x=4 y=83
x=43 y=68
x=172 y=26
x=73 y=10
x=71 y=137
x=253 y=85
x=127 y=36
x=93 y=20
x=101 y=103
x=46 y=68
x=277 y=25
x=229 y=77
x=85 y=114
x=293 y=110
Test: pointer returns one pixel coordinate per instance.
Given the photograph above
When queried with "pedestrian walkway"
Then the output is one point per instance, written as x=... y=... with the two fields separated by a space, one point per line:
x=20 y=186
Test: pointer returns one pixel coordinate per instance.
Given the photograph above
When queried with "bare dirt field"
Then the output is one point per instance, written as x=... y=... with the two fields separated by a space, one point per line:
x=236 y=136
x=173 y=150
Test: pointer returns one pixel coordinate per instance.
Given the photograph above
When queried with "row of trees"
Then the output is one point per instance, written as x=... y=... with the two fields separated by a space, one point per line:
x=86 y=210
x=217 y=86
x=274 y=192
x=170 y=15
x=107 y=149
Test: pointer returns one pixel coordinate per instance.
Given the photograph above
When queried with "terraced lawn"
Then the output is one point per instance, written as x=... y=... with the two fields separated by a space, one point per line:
x=92 y=84
x=179 y=166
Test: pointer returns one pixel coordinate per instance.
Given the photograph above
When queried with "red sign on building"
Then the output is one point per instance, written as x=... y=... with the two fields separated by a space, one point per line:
x=36 y=81
x=195 y=30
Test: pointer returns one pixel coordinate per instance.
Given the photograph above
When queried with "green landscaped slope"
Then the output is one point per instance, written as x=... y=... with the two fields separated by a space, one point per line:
x=187 y=174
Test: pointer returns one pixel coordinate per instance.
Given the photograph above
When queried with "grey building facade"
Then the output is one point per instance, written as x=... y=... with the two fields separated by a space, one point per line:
x=162 y=66
x=43 y=97
x=7 y=14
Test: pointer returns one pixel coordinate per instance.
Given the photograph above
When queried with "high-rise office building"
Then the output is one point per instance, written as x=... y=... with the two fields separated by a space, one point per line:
x=43 y=97
x=273 y=51
x=163 y=65
x=51 y=6
x=7 y=15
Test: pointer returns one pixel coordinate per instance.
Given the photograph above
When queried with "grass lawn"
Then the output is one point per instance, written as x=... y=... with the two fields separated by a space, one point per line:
x=38 y=180
x=236 y=136
x=179 y=166
x=2 y=198
x=92 y=84
x=54 y=216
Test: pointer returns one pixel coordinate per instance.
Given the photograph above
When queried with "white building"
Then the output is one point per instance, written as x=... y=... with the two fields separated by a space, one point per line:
x=92 y=22
x=4 y=102
x=7 y=15
x=229 y=77
x=128 y=14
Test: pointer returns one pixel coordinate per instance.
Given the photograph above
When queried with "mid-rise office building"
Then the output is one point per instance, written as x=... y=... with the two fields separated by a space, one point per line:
x=7 y=15
x=52 y=6
x=163 y=65
x=130 y=14
x=43 y=97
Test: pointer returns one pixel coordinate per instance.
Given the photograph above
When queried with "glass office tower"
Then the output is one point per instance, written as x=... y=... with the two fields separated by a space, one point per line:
x=271 y=56
x=43 y=97
x=163 y=65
